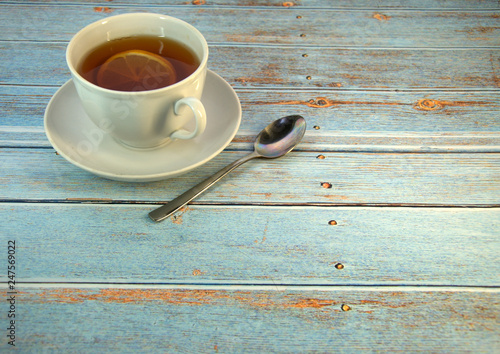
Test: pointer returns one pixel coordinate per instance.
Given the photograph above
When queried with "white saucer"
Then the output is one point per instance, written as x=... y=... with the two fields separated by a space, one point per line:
x=79 y=141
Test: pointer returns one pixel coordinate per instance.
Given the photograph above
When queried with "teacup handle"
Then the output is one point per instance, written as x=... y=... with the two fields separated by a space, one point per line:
x=200 y=117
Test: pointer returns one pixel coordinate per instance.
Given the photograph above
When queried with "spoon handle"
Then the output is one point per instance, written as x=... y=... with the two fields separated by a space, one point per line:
x=171 y=207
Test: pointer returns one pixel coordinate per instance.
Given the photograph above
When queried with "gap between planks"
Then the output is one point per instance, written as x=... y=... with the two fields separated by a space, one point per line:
x=257 y=7
x=295 y=89
x=301 y=46
x=270 y=205
x=261 y=287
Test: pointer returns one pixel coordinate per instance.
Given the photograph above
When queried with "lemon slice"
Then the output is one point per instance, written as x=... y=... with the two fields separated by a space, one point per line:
x=136 y=70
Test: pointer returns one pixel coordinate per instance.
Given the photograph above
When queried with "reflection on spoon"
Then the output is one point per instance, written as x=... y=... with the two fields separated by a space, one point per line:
x=276 y=140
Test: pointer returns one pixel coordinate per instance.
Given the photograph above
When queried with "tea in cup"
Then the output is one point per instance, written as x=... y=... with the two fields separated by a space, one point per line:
x=140 y=77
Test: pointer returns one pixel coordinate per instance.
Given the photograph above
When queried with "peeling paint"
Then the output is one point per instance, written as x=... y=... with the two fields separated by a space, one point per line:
x=177 y=217
x=311 y=303
x=479 y=29
x=106 y=10
x=495 y=68
x=381 y=17
x=244 y=80
x=181 y=297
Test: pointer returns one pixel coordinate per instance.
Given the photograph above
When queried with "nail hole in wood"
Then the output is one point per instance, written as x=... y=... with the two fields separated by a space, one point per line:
x=326 y=185
x=345 y=307
x=339 y=266
x=332 y=222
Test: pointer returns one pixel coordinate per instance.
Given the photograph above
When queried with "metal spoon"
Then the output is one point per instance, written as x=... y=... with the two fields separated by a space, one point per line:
x=276 y=140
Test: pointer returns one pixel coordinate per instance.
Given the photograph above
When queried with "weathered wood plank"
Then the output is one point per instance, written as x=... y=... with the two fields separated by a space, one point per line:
x=254 y=245
x=326 y=141
x=230 y=321
x=331 y=110
x=300 y=177
x=44 y=64
x=337 y=4
x=314 y=27
x=340 y=120
x=355 y=69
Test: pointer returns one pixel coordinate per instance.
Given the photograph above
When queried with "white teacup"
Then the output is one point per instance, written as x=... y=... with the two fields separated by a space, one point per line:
x=142 y=119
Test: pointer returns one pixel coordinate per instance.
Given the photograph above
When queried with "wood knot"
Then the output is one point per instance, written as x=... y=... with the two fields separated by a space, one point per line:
x=320 y=102
x=199 y=2
x=288 y=4
x=428 y=105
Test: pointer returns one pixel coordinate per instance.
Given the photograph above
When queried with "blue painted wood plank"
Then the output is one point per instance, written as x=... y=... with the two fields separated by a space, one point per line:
x=299 y=4
x=255 y=321
x=314 y=27
x=300 y=177
x=323 y=68
x=254 y=245
x=338 y=120
x=326 y=141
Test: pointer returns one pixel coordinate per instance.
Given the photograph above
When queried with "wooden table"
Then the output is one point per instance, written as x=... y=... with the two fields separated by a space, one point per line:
x=380 y=232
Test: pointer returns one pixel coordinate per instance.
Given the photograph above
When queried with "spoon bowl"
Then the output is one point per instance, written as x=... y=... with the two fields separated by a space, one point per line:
x=280 y=137
x=276 y=140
